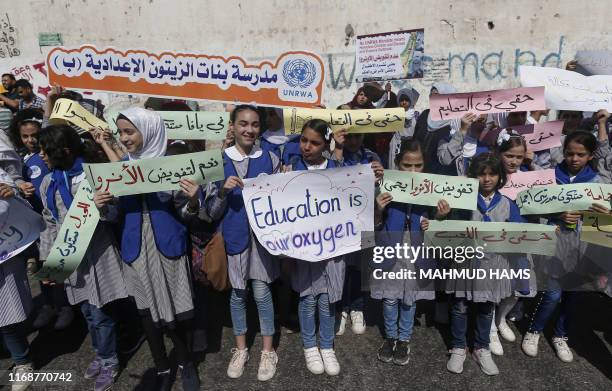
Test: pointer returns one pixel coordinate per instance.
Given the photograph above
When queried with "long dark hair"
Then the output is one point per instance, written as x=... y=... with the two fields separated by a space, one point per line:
x=62 y=144
x=34 y=116
x=321 y=127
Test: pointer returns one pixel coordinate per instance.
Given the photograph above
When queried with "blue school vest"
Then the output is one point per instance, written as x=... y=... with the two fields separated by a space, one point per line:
x=34 y=170
x=235 y=225
x=283 y=151
x=350 y=159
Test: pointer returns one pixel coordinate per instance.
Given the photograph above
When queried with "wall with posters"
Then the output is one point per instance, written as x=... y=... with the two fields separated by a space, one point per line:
x=475 y=45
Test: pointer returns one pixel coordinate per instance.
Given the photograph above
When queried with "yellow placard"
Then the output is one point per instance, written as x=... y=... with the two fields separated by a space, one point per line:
x=70 y=111
x=597 y=229
x=354 y=121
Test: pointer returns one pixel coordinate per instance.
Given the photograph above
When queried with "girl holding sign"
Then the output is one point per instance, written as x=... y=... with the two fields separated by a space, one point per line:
x=578 y=150
x=402 y=223
x=492 y=206
x=98 y=280
x=319 y=284
x=154 y=249
x=247 y=259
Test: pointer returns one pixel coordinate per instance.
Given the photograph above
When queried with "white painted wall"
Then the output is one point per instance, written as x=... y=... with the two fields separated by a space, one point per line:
x=257 y=29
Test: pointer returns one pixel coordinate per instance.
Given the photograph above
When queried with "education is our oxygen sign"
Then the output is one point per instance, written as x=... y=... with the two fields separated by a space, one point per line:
x=296 y=78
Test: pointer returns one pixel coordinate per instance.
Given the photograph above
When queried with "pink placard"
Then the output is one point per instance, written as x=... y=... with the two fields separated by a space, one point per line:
x=526 y=180
x=448 y=106
x=546 y=135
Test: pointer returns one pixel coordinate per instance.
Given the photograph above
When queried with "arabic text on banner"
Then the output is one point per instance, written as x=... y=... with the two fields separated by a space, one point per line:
x=567 y=90
x=428 y=189
x=595 y=62
x=448 y=106
x=563 y=198
x=20 y=226
x=186 y=125
x=354 y=121
x=71 y=111
x=157 y=174
x=390 y=56
x=73 y=237
x=520 y=181
x=296 y=78
x=596 y=229
x=495 y=237
x=311 y=215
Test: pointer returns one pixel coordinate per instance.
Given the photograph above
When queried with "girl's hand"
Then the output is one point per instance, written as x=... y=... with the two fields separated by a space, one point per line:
x=6 y=191
x=102 y=198
x=378 y=169
x=597 y=208
x=424 y=224
x=192 y=190
x=97 y=135
x=442 y=209
x=339 y=138
x=230 y=184
x=27 y=189
x=467 y=120
x=602 y=115
x=382 y=200
x=570 y=217
x=528 y=157
x=229 y=139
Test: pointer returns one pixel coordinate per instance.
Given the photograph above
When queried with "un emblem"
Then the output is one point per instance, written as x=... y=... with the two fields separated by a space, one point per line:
x=299 y=73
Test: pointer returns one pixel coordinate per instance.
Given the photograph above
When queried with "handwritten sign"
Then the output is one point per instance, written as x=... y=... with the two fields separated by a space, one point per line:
x=20 y=226
x=311 y=215
x=157 y=174
x=295 y=79
x=520 y=181
x=428 y=189
x=73 y=237
x=390 y=56
x=596 y=229
x=495 y=237
x=545 y=135
x=563 y=198
x=447 y=106
x=595 y=62
x=355 y=121
x=70 y=111
x=567 y=90
x=186 y=125
x=9 y=46
x=35 y=72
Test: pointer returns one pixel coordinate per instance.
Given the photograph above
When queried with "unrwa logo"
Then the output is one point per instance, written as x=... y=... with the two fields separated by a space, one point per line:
x=299 y=73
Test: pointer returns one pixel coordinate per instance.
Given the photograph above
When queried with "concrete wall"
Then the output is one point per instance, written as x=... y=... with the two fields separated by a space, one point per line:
x=475 y=45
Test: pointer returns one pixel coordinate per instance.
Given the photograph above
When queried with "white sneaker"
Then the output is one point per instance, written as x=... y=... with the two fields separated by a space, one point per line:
x=563 y=351
x=495 y=345
x=44 y=317
x=332 y=367
x=21 y=371
x=314 y=362
x=530 y=344
x=341 y=323
x=505 y=331
x=267 y=365
x=64 y=318
x=235 y=368
x=357 y=322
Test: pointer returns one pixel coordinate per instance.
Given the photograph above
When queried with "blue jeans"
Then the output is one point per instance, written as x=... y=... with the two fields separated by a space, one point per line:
x=459 y=323
x=547 y=306
x=308 y=328
x=265 y=308
x=102 y=331
x=352 y=296
x=406 y=319
x=16 y=342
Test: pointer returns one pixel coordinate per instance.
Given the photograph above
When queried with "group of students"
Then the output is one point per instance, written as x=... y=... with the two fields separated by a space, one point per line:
x=141 y=246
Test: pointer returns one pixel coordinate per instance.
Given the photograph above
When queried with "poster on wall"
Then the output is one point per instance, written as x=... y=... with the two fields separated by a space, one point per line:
x=296 y=78
x=390 y=56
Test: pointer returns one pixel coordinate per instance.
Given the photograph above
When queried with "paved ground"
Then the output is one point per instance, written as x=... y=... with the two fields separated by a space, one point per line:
x=591 y=370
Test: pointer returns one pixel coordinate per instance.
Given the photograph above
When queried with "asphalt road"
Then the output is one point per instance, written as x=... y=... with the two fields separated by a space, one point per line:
x=591 y=341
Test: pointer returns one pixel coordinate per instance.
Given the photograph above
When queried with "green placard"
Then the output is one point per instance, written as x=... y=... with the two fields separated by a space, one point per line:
x=428 y=189
x=563 y=198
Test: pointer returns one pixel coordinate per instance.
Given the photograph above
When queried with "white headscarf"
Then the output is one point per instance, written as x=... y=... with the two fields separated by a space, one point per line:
x=455 y=124
x=151 y=126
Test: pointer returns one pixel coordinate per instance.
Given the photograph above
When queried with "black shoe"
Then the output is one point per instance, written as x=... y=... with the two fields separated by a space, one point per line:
x=385 y=353
x=189 y=377
x=163 y=381
x=401 y=355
